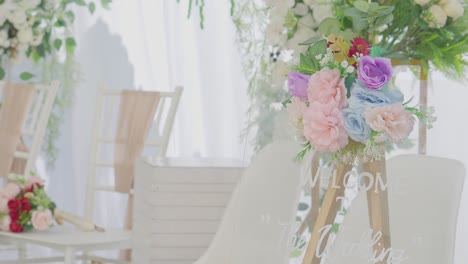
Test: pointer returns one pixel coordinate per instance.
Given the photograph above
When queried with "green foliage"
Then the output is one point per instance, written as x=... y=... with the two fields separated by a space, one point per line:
x=25 y=76
x=2 y=73
x=91 y=7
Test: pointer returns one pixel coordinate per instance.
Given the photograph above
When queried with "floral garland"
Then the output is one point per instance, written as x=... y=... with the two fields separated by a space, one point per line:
x=269 y=34
x=433 y=31
x=342 y=101
x=40 y=30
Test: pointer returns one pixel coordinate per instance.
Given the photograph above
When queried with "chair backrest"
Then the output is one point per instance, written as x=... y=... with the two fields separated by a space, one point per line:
x=178 y=206
x=35 y=123
x=259 y=221
x=424 y=196
x=104 y=133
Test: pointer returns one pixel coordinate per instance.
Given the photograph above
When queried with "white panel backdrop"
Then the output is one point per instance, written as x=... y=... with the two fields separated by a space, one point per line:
x=151 y=44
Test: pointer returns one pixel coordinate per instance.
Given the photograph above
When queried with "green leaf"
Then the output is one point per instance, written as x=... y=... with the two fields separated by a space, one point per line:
x=2 y=73
x=58 y=44
x=91 y=7
x=60 y=23
x=105 y=3
x=349 y=81
x=70 y=15
x=308 y=65
x=383 y=20
x=329 y=26
x=312 y=40
x=362 y=5
x=319 y=47
x=80 y=2
x=26 y=76
x=70 y=44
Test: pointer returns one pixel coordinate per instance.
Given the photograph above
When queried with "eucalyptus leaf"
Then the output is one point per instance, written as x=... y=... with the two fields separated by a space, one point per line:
x=319 y=47
x=80 y=2
x=91 y=7
x=25 y=76
x=105 y=3
x=329 y=26
x=362 y=5
x=312 y=40
x=70 y=44
x=58 y=44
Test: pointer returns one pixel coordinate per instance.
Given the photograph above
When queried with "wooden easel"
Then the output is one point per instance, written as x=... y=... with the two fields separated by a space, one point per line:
x=377 y=201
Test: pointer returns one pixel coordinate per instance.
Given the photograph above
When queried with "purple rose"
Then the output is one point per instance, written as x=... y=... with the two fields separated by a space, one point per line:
x=298 y=84
x=374 y=73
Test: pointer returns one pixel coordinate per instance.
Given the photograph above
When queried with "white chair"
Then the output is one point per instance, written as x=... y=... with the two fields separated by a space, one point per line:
x=34 y=128
x=36 y=122
x=424 y=196
x=72 y=240
x=259 y=221
x=179 y=204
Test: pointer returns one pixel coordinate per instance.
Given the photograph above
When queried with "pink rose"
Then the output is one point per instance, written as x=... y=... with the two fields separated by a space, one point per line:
x=30 y=181
x=327 y=87
x=324 y=127
x=394 y=120
x=296 y=111
x=3 y=204
x=11 y=190
x=5 y=223
x=41 y=220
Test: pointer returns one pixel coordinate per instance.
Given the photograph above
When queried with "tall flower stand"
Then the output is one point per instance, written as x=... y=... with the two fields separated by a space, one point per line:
x=377 y=200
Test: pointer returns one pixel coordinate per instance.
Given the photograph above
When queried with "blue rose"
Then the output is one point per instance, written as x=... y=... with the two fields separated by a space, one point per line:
x=362 y=98
x=356 y=126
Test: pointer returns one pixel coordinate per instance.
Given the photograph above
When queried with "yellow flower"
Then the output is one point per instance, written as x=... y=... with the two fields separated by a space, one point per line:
x=340 y=49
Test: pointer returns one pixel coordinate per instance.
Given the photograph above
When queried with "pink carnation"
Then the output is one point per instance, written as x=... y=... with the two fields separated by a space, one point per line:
x=393 y=119
x=324 y=127
x=41 y=220
x=11 y=190
x=327 y=87
x=296 y=111
x=33 y=180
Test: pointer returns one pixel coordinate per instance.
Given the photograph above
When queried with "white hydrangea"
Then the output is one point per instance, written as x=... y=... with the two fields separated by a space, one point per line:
x=322 y=11
x=302 y=34
x=308 y=21
x=275 y=32
x=280 y=4
x=28 y=4
x=17 y=17
x=37 y=39
x=5 y=9
x=454 y=9
x=25 y=35
x=279 y=73
x=4 y=42
x=301 y=9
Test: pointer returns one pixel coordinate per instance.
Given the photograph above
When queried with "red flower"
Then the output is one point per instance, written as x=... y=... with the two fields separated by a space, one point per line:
x=15 y=227
x=14 y=215
x=25 y=205
x=360 y=46
x=31 y=188
x=13 y=204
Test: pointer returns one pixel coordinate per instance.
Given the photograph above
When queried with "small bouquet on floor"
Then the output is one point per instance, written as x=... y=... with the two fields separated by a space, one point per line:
x=342 y=100
x=24 y=205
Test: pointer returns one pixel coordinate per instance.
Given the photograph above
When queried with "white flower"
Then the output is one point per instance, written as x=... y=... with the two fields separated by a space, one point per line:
x=422 y=2
x=301 y=9
x=5 y=9
x=344 y=64
x=436 y=17
x=275 y=32
x=454 y=9
x=28 y=4
x=308 y=21
x=280 y=4
x=25 y=35
x=13 y=42
x=350 y=69
x=279 y=74
x=443 y=2
x=322 y=11
x=302 y=34
x=17 y=17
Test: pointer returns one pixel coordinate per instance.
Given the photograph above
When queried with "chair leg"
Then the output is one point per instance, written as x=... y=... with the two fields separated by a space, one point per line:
x=326 y=217
x=69 y=255
x=377 y=200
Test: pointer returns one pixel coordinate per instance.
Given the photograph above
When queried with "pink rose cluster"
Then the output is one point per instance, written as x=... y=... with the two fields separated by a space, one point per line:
x=321 y=116
x=19 y=211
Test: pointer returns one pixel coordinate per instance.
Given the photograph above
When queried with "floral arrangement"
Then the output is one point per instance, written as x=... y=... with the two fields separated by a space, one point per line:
x=40 y=31
x=24 y=206
x=342 y=100
x=432 y=31
x=269 y=34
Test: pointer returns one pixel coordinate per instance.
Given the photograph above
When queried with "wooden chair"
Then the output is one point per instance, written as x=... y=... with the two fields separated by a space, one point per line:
x=424 y=194
x=72 y=240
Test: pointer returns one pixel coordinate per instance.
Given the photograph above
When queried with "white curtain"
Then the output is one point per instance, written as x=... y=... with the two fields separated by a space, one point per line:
x=151 y=44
